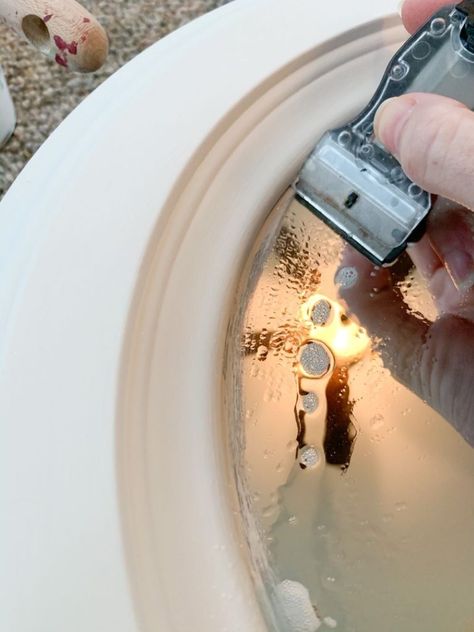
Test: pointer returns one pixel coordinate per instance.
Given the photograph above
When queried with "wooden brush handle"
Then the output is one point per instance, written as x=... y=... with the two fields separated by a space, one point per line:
x=61 y=29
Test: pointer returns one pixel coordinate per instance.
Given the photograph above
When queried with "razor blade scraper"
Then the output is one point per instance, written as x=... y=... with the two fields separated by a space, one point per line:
x=351 y=181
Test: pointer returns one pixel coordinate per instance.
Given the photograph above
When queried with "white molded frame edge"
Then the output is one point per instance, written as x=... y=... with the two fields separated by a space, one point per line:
x=84 y=230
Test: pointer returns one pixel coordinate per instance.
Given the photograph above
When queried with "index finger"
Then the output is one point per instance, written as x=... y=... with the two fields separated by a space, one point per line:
x=416 y=12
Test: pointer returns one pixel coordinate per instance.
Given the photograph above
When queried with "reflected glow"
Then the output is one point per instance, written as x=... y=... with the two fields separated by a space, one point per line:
x=348 y=346
x=346 y=476
x=346 y=339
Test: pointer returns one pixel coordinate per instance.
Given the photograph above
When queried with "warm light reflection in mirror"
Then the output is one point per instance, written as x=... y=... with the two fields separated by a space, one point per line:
x=360 y=494
x=346 y=339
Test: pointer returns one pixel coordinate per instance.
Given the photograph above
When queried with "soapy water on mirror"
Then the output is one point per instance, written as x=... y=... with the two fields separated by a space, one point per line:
x=339 y=460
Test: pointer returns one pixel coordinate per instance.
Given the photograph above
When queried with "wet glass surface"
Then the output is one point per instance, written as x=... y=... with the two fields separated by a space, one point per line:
x=357 y=496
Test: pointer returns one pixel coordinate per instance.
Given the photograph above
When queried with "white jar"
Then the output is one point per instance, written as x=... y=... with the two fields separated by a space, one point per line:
x=7 y=112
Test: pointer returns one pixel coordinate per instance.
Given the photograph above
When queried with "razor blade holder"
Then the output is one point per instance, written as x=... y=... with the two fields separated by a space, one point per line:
x=351 y=181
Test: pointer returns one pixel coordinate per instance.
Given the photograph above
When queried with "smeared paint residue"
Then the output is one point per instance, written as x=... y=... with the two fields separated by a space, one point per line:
x=60 y=43
x=62 y=61
x=64 y=48
x=86 y=20
x=47 y=18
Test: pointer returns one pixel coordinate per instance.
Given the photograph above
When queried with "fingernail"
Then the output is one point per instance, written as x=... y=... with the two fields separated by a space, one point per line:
x=460 y=266
x=400 y=7
x=390 y=120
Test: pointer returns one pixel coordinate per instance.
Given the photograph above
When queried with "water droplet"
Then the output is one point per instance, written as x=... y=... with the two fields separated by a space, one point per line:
x=309 y=456
x=321 y=312
x=376 y=421
x=315 y=359
x=292 y=446
x=310 y=402
x=262 y=352
x=329 y=581
x=346 y=277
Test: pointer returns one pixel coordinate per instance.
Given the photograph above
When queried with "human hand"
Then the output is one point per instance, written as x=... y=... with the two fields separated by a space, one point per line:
x=433 y=138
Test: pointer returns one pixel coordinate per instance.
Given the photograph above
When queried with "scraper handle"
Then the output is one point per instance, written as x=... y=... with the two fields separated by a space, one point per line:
x=63 y=30
x=351 y=181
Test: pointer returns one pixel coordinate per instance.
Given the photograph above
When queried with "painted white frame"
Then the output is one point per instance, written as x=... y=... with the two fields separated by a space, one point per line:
x=120 y=245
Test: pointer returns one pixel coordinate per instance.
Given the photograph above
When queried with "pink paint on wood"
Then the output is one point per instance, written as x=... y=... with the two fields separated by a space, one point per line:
x=72 y=48
x=62 y=61
x=60 y=43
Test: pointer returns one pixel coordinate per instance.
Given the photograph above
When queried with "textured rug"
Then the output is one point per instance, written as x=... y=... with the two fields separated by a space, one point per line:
x=44 y=93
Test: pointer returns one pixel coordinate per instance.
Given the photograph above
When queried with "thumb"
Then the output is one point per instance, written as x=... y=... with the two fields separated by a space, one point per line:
x=433 y=138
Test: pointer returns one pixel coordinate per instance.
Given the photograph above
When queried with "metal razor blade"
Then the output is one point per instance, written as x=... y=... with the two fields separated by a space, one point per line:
x=351 y=181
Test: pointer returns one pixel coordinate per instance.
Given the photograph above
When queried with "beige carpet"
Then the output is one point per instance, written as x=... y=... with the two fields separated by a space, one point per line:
x=44 y=93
